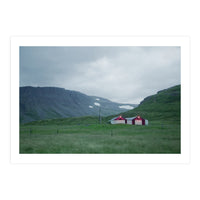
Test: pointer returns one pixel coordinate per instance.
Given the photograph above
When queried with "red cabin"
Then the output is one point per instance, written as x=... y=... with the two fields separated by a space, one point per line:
x=118 y=120
x=138 y=121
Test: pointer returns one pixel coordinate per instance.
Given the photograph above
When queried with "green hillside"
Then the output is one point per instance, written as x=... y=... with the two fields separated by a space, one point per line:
x=165 y=105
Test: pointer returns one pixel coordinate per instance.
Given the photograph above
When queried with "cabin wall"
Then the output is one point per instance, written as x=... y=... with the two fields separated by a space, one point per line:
x=138 y=122
x=118 y=122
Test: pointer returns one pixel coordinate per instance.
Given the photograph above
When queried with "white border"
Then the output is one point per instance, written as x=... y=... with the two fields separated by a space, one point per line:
x=182 y=41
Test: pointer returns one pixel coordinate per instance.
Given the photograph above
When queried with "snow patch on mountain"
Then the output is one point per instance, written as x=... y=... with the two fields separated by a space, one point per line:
x=97 y=104
x=128 y=107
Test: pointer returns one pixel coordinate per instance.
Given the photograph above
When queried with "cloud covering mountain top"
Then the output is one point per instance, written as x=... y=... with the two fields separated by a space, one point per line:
x=121 y=74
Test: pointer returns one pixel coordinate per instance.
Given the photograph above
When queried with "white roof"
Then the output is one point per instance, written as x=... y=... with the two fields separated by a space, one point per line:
x=130 y=118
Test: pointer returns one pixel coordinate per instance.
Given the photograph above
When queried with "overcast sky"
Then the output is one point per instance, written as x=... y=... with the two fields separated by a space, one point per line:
x=121 y=74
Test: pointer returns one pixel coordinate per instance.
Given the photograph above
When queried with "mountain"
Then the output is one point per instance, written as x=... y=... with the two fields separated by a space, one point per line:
x=165 y=105
x=38 y=103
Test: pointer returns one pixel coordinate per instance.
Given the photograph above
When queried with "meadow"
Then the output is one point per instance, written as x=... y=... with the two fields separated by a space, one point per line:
x=89 y=134
x=157 y=137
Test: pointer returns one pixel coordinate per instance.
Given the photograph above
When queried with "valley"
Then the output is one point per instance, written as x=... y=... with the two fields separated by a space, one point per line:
x=88 y=134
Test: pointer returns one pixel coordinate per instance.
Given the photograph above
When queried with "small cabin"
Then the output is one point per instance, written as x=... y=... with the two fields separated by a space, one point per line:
x=137 y=121
x=118 y=120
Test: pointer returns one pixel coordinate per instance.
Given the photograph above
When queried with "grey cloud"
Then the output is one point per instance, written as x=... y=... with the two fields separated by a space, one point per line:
x=122 y=74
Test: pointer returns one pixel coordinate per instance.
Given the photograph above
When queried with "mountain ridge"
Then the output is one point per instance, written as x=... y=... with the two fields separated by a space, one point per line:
x=38 y=103
x=164 y=106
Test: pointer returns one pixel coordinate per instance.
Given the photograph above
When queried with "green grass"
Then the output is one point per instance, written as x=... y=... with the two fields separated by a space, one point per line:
x=69 y=121
x=105 y=138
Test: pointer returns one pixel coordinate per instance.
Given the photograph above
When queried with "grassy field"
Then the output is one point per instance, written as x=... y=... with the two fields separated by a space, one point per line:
x=86 y=135
x=157 y=137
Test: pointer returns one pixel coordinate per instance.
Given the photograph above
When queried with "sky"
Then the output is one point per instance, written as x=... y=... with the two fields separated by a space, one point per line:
x=121 y=74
